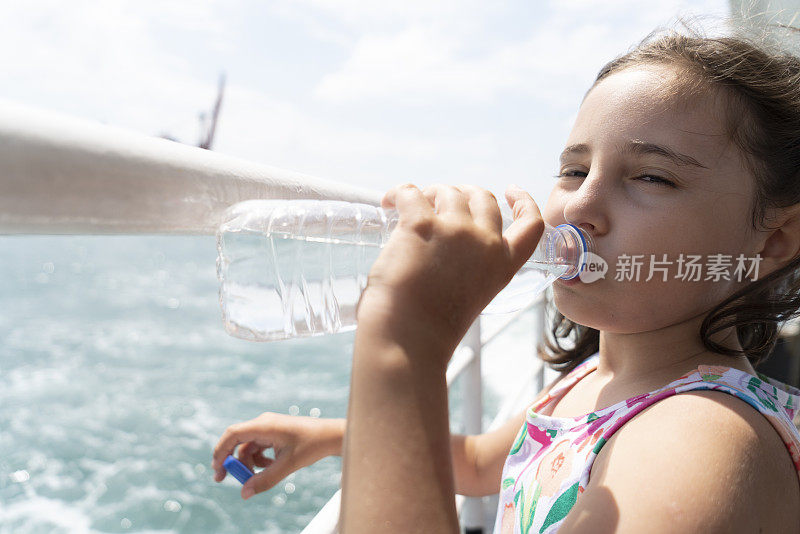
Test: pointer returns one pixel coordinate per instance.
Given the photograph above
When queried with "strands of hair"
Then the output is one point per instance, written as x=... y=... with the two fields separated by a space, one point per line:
x=758 y=74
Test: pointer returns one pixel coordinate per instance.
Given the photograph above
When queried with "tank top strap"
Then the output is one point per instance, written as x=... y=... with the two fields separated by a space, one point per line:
x=778 y=402
x=582 y=369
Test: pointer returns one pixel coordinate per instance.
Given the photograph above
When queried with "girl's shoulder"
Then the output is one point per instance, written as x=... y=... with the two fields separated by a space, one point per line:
x=701 y=447
x=774 y=399
x=717 y=387
x=706 y=406
x=712 y=426
x=767 y=395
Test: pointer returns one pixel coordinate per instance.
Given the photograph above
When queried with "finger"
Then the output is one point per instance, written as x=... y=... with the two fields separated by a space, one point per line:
x=523 y=234
x=247 y=453
x=252 y=454
x=430 y=193
x=262 y=461
x=389 y=200
x=267 y=478
x=385 y=202
x=224 y=447
x=409 y=202
x=447 y=199
x=483 y=207
x=233 y=436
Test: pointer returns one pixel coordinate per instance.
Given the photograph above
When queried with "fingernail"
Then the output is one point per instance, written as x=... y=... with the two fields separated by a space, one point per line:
x=515 y=186
x=247 y=493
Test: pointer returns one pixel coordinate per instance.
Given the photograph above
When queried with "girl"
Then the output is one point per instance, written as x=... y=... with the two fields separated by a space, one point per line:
x=684 y=147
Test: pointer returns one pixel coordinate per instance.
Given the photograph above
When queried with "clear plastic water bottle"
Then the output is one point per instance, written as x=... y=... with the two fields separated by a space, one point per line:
x=297 y=268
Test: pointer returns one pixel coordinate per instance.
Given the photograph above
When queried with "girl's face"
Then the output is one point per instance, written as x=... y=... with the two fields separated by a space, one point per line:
x=645 y=173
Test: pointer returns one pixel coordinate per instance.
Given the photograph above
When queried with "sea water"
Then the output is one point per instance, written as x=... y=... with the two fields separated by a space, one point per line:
x=117 y=379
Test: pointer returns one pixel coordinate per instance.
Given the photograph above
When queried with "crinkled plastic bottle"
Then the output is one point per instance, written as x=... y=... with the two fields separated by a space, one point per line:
x=297 y=268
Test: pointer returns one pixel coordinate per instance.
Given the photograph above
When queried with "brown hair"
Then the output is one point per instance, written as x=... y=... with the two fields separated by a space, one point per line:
x=762 y=84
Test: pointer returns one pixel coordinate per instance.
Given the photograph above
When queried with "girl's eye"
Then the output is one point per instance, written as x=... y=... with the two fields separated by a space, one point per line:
x=656 y=180
x=567 y=174
x=648 y=178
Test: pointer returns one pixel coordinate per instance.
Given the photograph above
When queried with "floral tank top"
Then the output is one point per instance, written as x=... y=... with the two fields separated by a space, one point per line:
x=551 y=458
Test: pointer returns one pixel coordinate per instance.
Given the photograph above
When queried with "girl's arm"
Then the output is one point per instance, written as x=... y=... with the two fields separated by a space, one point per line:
x=300 y=441
x=437 y=272
x=397 y=468
x=478 y=460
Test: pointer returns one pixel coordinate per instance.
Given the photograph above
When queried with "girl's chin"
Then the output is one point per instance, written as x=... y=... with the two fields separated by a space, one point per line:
x=583 y=308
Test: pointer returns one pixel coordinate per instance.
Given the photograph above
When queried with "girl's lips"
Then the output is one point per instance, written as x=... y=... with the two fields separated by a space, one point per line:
x=571 y=282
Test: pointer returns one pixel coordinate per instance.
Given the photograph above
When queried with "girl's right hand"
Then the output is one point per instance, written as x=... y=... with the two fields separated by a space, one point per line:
x=446 y=259
x=296 y=441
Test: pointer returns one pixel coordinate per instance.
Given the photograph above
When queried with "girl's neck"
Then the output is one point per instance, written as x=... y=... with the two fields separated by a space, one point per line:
x=663 y=354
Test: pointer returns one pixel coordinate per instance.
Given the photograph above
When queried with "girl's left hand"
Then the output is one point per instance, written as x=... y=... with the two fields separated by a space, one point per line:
x=447 y=258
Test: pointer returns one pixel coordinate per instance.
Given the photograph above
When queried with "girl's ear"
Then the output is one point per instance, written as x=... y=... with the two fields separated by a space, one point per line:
x=783 y=242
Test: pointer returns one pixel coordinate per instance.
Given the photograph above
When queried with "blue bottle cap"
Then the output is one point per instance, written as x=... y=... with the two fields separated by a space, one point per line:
x=237 y=469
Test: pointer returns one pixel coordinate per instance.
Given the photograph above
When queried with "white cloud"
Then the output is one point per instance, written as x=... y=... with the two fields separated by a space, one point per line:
x=362 y=15
x=412 y=66
x=419 y=66
x=259 y=127
x=427 y=61
x=101 y=59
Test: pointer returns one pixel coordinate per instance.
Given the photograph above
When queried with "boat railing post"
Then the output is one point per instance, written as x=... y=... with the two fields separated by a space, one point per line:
x=539 y=328
x=472 y=513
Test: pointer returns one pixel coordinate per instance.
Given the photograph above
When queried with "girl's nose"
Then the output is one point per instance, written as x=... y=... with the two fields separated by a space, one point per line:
x=586 y=207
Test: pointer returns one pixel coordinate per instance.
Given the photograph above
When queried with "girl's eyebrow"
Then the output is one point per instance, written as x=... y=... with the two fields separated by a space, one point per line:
x=639 y=148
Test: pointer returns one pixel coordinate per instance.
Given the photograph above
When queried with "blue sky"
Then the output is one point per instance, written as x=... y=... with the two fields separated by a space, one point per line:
x=368 y=93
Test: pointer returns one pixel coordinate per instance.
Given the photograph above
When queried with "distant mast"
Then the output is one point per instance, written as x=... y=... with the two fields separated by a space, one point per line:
x=207 y=137
x=208 y=122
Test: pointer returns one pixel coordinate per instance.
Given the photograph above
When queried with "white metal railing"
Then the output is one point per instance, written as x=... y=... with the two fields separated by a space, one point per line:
x=467 y=361
x=63 y=175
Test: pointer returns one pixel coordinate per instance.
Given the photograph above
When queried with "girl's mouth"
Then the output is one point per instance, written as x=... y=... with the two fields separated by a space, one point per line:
x=570 y=282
